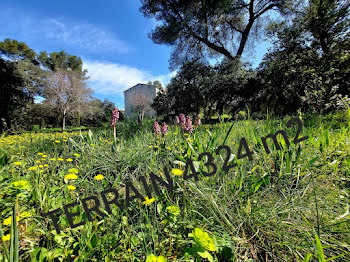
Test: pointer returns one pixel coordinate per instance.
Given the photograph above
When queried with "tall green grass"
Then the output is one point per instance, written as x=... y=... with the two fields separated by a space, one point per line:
x=289 y=205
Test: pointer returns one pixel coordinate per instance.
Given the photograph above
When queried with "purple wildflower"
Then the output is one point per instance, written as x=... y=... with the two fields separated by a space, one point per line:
x=164 y=128
x=115 y=116
x=182 y=119
x=188 y=125
x=156 y=128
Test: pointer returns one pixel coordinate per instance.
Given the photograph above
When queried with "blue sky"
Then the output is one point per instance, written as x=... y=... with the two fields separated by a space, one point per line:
x=111 y=36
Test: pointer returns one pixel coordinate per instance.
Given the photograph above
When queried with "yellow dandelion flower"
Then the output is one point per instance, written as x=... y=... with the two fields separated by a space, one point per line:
x=38 y=161
x=71 y=176
x=69 y=160
x=60 y=159
x=129 y=250
x=71 y=187
x=150 y=146
x=99 y=177
x=6 y=237
x=46 y=165
x=18 y=163
x=33 y=168
x=76 y=155
x=52 y=159
x=40 y=154
x=8 y=221
x=57 y=141
x=168 y=148
x=177 y=172
x=44 y=156
x=148 y=201
x=156 y=146
x=41 y=166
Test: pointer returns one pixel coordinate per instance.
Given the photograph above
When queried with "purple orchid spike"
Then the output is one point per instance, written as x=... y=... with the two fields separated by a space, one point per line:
x=115 y=116
x=156 y=128
x=182 y=119
x=164 y=128
x=188 y=127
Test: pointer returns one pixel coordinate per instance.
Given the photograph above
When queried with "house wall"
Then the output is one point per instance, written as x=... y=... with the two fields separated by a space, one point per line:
x=149 y=90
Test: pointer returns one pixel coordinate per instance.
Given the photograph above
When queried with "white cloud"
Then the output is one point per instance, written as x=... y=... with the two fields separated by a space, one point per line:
x=75 y=34
x=111 y=78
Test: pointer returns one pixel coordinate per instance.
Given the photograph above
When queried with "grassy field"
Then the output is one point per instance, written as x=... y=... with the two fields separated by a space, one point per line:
x=289 y=205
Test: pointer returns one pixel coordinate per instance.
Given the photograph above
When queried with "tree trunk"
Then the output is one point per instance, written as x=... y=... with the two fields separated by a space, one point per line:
x=64 y=121
x=139 y=120
x=220 y=109
x=244 y=39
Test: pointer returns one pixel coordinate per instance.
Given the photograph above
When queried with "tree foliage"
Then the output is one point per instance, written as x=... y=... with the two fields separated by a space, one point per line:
x=307 y=69
x=201 y=29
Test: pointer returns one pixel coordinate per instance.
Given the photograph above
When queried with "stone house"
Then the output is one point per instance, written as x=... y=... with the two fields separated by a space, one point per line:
x=140 y=97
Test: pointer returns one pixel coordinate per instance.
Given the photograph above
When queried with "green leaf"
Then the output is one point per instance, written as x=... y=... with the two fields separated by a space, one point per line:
x=228 y=132
x=307 y=258
x=174 y=210
x=206 y=255
x=154 y=258
x=161 y=259
x=5 y=249
x=319 y=248
x=203 y=239
x=94 y=241
x=134 y=240
x=14 y=242
x=192 y=149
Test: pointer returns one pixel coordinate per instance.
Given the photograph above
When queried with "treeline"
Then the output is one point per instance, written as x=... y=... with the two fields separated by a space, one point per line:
x=57 y=78
x=307 y=68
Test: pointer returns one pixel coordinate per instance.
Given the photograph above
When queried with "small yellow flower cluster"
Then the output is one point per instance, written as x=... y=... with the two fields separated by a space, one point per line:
x=148 y=201
x=22 y=184
x=8 y=220
x=71 y=176
x=71 y=187
x=6 y=237
x=177 y=172
x=99 y=177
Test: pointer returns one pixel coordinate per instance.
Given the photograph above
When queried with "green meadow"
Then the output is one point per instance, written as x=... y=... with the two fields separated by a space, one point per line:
x=289 y=205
